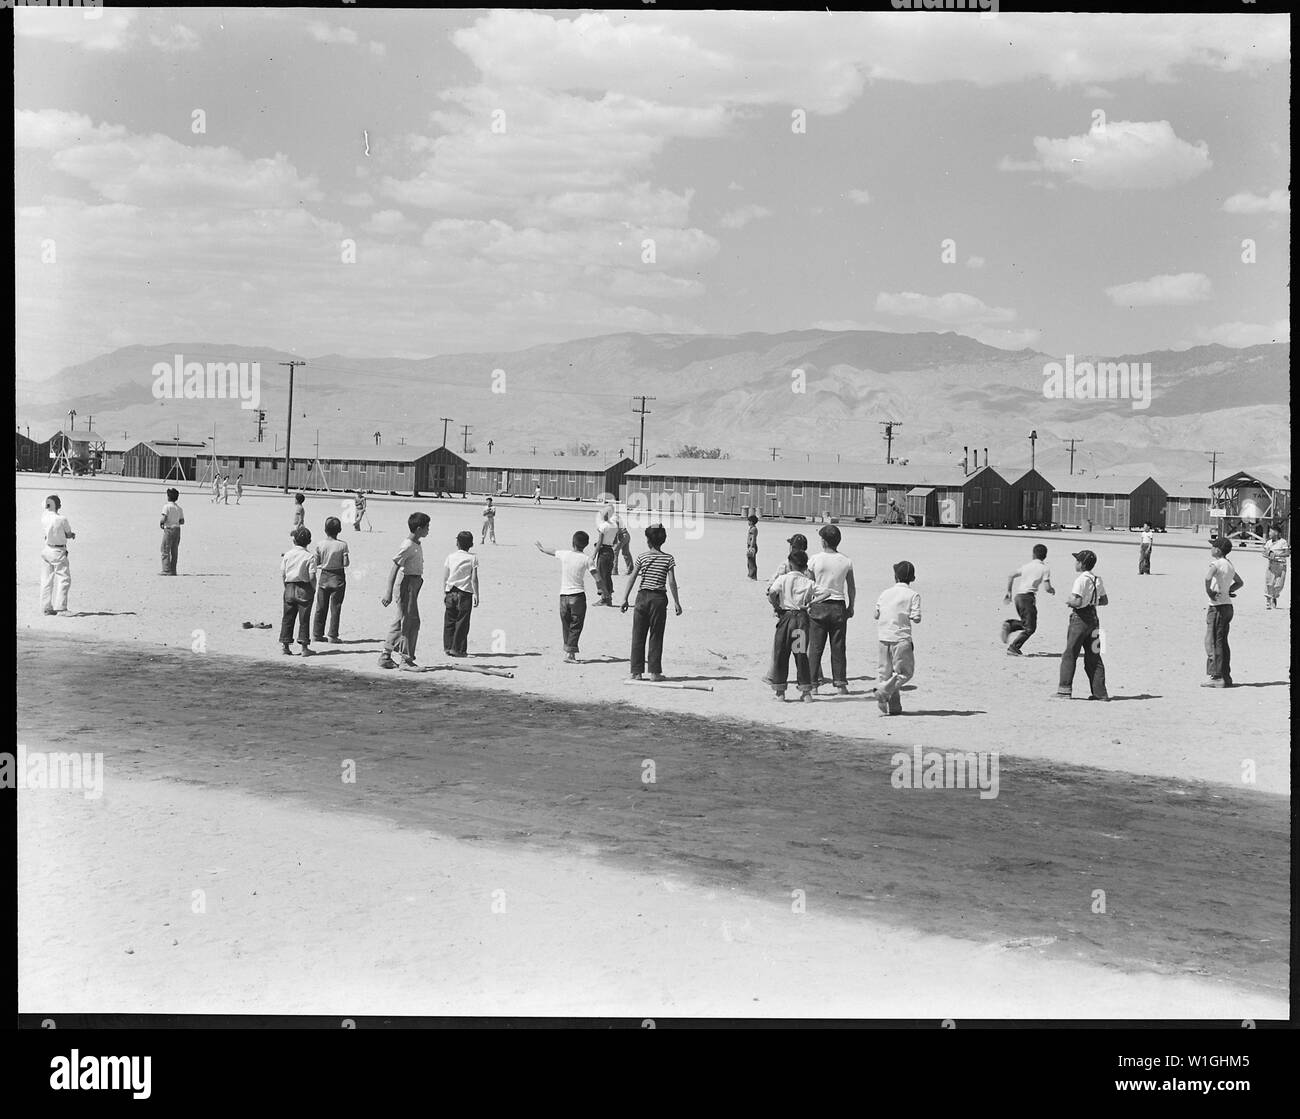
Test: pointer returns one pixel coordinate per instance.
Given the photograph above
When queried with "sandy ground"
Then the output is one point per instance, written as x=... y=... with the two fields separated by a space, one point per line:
x=471 y=784
x=967 y=691
x=302 y=916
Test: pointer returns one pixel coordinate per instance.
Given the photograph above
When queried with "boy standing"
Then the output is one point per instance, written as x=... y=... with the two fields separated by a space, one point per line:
x=170 y=523
x=333 y=560
x=830 y=618
x=56 y=575
x=1276 y=552
x=622 y=547
x=751 y=547
x=897 y=610
x=489 y=523
x=1084 y=632
x=1030 y=577
x=574 y=566
x=657 y=571
x=1221 y=583
x=409 y=563
x=606 y=534
x=298 y=573
x=790 y=595
x=239 y=488
x=299 y=513
x=537 y=494
x=1144 y=550
x=460 y=595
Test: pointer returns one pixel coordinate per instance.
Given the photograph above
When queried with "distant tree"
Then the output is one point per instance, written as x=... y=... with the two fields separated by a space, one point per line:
x=689 y=450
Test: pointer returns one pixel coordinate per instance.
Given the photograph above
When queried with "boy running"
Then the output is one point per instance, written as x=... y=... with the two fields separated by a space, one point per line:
x=1026 y=581
x=897 y=609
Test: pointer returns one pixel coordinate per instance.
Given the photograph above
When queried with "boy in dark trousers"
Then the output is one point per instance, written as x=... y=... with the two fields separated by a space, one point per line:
x=790 y=595
x=409 y=563
x=1084 y=632
x=1221 y=585
x=298 y=573
x=751 y=547
x=460 y=595
x=332 y=581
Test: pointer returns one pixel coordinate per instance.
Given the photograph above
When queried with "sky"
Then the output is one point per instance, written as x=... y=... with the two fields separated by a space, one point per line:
x=410 y=183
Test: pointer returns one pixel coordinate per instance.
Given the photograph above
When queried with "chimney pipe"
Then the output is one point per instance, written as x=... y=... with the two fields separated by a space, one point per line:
x=986 y=456
x=965 y=454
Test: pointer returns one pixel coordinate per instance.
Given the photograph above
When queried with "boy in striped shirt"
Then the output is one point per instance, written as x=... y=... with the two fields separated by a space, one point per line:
x=656 y=570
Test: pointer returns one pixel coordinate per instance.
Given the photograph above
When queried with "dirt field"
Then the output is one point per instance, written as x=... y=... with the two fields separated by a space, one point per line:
x=210 y=748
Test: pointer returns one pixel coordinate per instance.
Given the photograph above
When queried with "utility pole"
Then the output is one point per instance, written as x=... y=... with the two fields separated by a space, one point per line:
x=1072 y=443
x=377 y=437
x=490 y=444
x=261 y=423
x=1214 y=463
x=72 y=419
x=774 y=453
x=889 y=426
x=465 y=430
x=636 y=442
x=534 y=450
x=643 y=413
x=90 y=422
x=1033 y=438
x=288 y=434
x=445 y=421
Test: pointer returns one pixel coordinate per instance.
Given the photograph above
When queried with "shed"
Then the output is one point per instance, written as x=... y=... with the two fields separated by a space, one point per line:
x=1031 y=500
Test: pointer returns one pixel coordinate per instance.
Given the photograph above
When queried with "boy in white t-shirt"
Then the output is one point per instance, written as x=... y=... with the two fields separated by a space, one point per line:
x=897 y=609
x=56 y=575
x=170 y=522
x=1026 y=582
x=1144 y=550
x=574 y=566
x=1221 y=585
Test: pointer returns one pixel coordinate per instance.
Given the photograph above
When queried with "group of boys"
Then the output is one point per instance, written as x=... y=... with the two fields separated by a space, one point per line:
x=221 y=489
x=814 y=598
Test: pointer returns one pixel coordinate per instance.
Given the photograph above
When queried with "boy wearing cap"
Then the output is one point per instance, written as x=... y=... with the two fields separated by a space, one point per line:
x=1031 y=576
x=897 y=610
x=1084 y=630
x=1221 y=583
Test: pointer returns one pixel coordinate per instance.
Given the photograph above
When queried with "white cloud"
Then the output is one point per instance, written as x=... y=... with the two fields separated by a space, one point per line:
x=388 y=223
x=52 y=129
x=176 y=38
x=1119 y=155
x=95 y=29
x=1163 y=291
x=1098 y=93
x=1238 y=334
x=377 y=49
x=975 y=262
x=362 y=199
x=733 y=185
x=953 y=308
x=742 y=216
x=325 y=33
x=1275 y=202
x=157 y=170
x=858 y=197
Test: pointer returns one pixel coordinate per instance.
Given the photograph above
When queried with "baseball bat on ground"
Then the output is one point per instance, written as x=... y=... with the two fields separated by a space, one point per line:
x=670 y=684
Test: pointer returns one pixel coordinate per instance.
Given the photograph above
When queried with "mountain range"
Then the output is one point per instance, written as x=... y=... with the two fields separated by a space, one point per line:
x=813 y=395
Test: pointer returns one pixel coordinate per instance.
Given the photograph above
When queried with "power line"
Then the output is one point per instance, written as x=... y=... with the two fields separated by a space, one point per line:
x=643 y=413
x=1072 y=443
x=288 y=435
